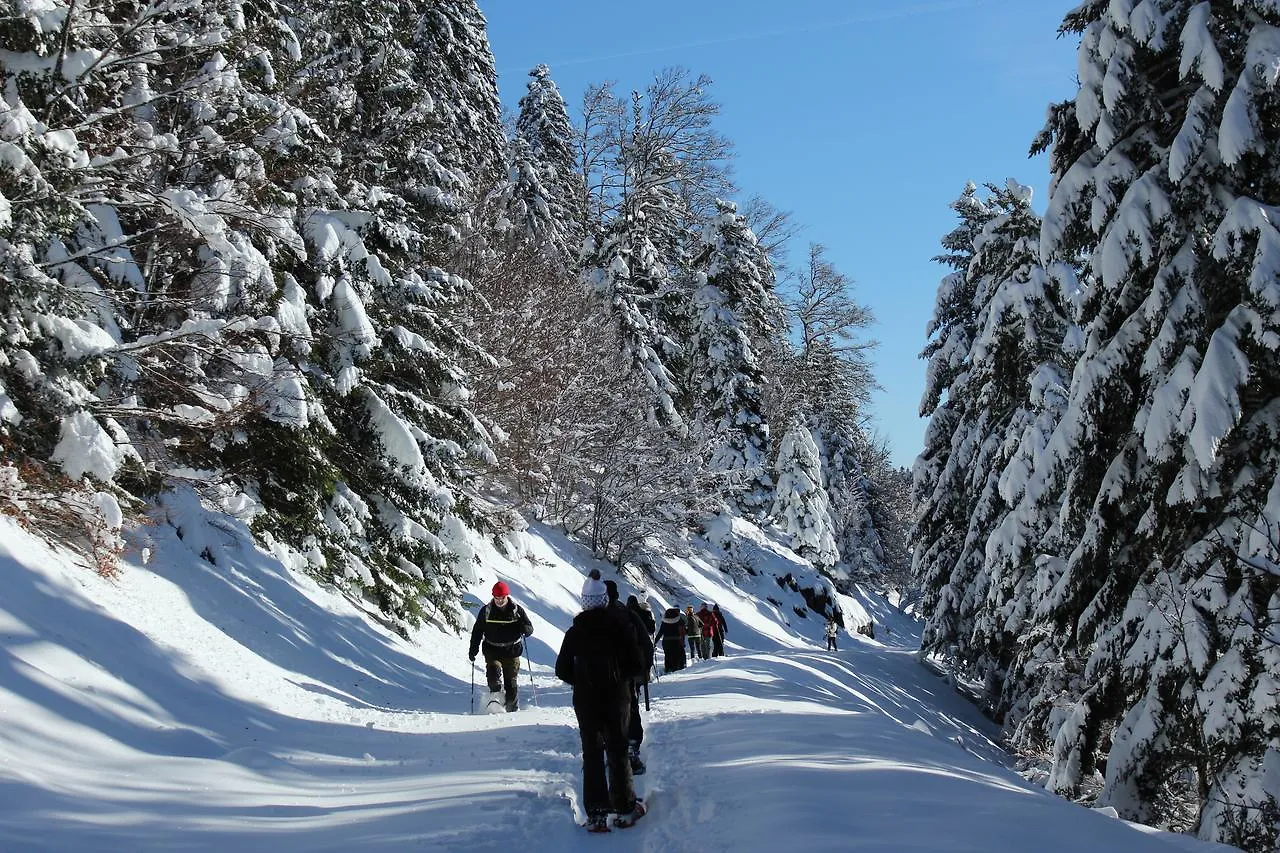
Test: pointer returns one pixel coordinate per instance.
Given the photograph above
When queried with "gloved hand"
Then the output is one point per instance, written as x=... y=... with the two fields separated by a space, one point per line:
x=529 y=631
x=471 y=657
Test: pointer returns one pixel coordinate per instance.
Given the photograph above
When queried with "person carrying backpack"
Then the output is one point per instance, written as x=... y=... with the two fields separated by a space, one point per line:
x=501 y=626
x=599 y=658
x=671 y=633
x=722 y=631
x=693 y=632
x=635 y=729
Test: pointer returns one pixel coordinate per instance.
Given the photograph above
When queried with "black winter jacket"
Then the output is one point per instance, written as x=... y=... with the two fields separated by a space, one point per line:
x=643 y=637
x=608 y=627
x=503 y=630
x=672 y=627
x=646 y=616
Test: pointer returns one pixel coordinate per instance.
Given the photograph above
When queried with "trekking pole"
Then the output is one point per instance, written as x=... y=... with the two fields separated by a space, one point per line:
x=646 y=695
x=532 y=685
x=473 y=686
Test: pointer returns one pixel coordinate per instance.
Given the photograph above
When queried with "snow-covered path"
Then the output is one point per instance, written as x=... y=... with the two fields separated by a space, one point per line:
x=238 y=708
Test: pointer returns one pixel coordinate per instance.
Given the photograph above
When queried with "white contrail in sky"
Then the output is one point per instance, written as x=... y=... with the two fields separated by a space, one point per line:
x=861 y=18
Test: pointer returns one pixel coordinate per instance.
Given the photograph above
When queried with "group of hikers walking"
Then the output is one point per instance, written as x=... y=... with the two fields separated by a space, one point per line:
x=607 y=657
x=704 y=632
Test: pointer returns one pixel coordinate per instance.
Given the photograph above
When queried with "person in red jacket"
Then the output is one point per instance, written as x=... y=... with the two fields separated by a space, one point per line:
x=709 y=628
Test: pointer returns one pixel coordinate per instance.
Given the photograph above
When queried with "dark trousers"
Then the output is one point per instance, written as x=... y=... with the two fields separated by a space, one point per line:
x=635 y=728
x=831 y=644
x=717 y=646
x=603 y=721
x=500 y=670
x=672 y=654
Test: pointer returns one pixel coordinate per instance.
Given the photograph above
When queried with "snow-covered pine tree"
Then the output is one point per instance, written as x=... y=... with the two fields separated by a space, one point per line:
x=409 y=107
x=1167 y=453
x=838 y=428
x=887 y=490
x=630 y=271
x=800 y=507
x=942 y=506
x=654 y=167
x=529 y=215
x=825 y=378
x=1004 y=253
x=832 y=375
x=457 y=69
x=141 y=306
x=543 y=125
x=1019 y=338
x=1015 y=650
x=734 y=305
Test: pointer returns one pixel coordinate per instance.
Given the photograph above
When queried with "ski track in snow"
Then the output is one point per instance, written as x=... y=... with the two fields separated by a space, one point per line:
x=237 y=707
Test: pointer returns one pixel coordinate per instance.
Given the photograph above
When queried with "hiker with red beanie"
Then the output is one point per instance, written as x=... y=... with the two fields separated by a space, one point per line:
x=502 y=625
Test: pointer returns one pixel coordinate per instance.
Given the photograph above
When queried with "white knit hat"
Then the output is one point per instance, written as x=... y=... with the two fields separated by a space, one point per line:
x=594 y=594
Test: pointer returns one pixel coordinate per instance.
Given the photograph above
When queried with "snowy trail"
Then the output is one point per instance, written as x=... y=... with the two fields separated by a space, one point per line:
x=187 y=707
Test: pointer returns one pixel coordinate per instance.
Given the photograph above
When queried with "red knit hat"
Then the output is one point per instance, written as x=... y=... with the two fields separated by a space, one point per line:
x=501 y=590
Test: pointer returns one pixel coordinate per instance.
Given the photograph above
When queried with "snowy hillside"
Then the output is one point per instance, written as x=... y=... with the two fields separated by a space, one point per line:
x=238 y=706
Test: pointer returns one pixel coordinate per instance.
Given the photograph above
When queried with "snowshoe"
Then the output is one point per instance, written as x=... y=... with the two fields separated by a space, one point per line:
x=624 y=821
x=597 y=822
x=494 y=704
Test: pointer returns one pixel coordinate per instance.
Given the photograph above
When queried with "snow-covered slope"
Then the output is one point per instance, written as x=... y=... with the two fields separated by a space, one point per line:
x=237 y=706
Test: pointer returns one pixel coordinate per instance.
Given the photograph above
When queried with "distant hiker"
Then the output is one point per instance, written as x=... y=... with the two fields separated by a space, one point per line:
x=642 y=610
x=671 y=633
x=502 y=625
x=635 y=728
x=722 y=630
x=832 y=631
x=693 y=631
x=708 y=620
x=600 y=656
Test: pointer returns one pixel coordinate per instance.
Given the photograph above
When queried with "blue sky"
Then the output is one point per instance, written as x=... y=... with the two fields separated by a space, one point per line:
x=864 y=118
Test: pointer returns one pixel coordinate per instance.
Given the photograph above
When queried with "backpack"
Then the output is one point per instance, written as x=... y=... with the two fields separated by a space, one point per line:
x=596 y=665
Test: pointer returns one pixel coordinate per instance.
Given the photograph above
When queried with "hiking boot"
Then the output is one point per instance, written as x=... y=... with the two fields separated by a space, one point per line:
x=597 y=822
x=638 y=811
x=512 y=705
x=637 y=766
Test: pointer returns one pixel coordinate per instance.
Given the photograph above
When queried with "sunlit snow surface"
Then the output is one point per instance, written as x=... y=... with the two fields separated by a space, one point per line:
x=238 y=707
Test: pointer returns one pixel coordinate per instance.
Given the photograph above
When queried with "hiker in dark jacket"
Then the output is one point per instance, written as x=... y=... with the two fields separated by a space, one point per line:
x=635 y=730
x=600 y=657
x=641 y=609
x=722 y=630
x=671 y=633
x=500 y=629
